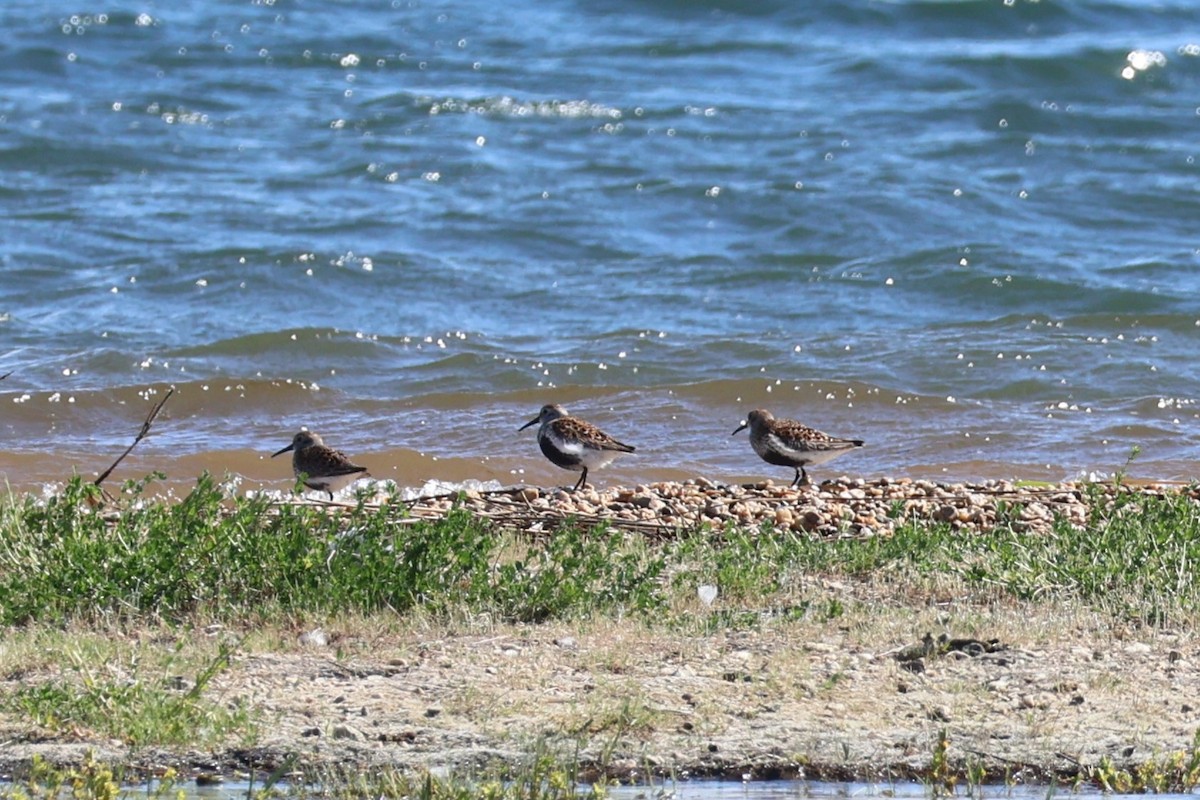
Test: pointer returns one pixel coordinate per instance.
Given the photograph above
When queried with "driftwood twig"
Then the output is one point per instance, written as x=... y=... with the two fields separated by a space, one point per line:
x=141 y=435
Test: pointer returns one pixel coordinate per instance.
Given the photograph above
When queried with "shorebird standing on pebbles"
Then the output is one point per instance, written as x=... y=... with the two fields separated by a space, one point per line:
x=322 y=468
x=573 y=444
x=787 y=443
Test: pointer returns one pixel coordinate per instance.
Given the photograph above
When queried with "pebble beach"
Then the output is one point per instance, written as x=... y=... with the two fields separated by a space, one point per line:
x=844 y=507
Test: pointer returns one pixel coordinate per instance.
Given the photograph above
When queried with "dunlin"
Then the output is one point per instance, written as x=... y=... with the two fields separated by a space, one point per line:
x=574 y=444
x=787 y=443
x=322 y=468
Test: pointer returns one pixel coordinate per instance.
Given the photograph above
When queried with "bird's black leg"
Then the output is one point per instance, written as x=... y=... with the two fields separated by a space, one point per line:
x=804 y=481
x=796 y=482
x=581 y=482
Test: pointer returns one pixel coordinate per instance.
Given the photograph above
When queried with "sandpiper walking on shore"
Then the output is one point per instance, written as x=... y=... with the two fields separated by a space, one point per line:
x=787 y=443
x=574 y=444
x=323 y=468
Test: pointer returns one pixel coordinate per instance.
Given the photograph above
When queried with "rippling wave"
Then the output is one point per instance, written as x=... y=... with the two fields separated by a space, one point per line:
x=962 y=231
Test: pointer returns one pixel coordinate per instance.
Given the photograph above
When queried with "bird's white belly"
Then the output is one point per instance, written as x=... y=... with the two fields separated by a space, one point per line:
x=594 y=459
x=332 y=483
x=589 y=457
x=800 y=455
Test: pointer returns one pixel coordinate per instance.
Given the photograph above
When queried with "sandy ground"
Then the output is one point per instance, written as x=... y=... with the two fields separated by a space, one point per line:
x=822 y=700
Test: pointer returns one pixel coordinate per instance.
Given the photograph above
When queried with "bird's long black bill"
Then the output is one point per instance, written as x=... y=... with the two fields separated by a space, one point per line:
x=740 y=428
x=284 y=450
x=533 y=421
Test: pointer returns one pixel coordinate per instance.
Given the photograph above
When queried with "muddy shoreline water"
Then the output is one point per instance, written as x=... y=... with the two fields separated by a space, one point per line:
x=1024 y=691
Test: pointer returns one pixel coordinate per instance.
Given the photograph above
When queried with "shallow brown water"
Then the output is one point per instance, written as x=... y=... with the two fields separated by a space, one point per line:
x=680 y=432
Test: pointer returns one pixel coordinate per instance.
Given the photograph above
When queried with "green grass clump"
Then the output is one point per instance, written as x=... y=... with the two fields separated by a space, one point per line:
x=213 y=556
x=1135 y=559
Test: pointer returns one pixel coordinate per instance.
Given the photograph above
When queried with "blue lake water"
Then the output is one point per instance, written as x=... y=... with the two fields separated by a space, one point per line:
x=966 y=232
